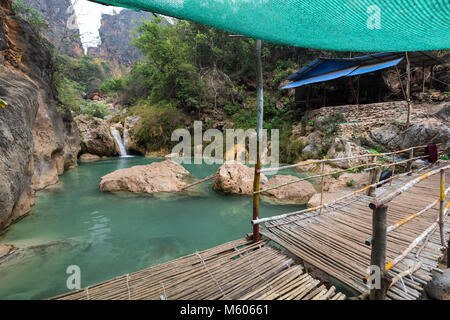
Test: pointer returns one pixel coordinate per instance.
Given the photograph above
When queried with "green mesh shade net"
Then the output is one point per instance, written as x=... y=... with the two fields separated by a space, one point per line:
x=350 y=25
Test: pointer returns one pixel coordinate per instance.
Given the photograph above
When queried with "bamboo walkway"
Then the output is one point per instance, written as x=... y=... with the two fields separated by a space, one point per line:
x=335 y=240
x=237 y=270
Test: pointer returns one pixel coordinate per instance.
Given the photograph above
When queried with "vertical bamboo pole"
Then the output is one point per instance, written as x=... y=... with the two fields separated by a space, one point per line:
x=441 y=208
x=408 y=89
x=393 y=169
x=409 y=164
x=423 y=77
x=378 y=253
x=373 y=177
x=431 y=78
x=321 y=189
x=257 y=177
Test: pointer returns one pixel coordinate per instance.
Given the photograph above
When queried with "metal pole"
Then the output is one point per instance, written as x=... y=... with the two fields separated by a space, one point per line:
x=378 y=253
x=257 y=177
x=442 y=207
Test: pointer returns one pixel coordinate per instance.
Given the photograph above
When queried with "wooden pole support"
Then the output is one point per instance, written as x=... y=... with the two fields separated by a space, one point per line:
x=410 y=162
x=408 y=89
x=378 y=253
x=373 y=178
x=442 y=207
x=260 y=113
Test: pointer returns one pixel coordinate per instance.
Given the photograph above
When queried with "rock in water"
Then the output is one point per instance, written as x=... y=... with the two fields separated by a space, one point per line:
x=89 y=157
x=299 y=192
x=165 y=176
x=5 y=249
x=439 y=287
x=96 y=137
x=234 y=177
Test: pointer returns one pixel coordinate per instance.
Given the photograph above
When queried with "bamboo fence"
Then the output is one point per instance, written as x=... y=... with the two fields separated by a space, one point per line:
x=335 y=241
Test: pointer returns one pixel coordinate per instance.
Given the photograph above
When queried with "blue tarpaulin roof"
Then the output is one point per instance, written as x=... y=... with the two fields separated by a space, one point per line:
x=325 y=69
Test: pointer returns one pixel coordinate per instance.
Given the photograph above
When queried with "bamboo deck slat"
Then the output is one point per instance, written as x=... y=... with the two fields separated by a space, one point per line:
x=335 y=240
x=236 y=270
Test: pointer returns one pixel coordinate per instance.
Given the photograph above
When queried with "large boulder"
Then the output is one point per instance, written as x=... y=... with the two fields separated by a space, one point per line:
x=430 y=131
x=439 y=287
x=388 y=135
x=235 y=178
x=343 y=148
x=96 y=137
x=299 y=192
x=314 y=201
x=165 y=176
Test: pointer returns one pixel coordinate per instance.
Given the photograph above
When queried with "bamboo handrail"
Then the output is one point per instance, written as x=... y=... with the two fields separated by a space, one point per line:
x=407 y=219
x=311 y=177
x=325 y=205
x=406 y=187
x=308 y=162
x=198 y=182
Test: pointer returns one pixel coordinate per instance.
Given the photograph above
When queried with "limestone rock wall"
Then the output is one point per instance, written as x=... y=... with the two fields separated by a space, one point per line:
x=36 y=142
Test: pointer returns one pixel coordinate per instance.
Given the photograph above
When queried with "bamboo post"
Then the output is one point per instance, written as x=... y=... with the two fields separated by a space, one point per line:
x=442 y=208
x=410 y=162
x=321 y=189
x=378 y=253
x=431 y=78
x=393 y=168
x=423 y=77
x=408 y=89
x=373 y=177
x=257 y=177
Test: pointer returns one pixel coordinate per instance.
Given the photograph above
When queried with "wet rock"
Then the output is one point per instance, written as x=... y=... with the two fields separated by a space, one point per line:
x=235 y=178
x=130 y=126
x=439 y=287
x=165 y=176
x=299 y=192
x=5 y=249
x=89 y=157
x=96 y=137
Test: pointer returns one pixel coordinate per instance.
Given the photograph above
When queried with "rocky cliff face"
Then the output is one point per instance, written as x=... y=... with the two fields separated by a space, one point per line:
x=36 y=143
x=58 y=14
x=115 y=35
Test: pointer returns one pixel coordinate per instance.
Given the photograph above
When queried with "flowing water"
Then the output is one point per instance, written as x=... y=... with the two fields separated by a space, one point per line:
x=122 y=148
x=111 y=234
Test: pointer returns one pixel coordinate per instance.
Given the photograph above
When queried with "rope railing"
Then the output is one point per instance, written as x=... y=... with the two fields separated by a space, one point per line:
x=409 y=218
x=379 y=229
x=406 y=187
x=323 y=206
x=316 y=161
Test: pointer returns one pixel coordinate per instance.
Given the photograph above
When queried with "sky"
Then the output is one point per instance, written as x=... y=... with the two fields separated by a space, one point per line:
x=88 y=16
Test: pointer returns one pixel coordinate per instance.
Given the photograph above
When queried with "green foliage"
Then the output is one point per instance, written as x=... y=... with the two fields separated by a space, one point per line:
x=158 y=123
x=329 y=124
x=96 y=109
x=351 y=183
x=112 y=85
x=83 y=70
x=32 y=16
x=70 y=93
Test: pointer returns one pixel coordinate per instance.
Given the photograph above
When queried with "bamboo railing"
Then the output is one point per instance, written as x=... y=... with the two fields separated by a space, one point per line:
x=373 y=183
x=379 y=230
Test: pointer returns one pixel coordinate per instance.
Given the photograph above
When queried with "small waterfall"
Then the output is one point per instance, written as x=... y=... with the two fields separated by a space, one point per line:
x=116 y=134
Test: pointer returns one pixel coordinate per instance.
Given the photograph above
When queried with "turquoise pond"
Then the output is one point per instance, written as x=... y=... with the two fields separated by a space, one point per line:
x=111 y=234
